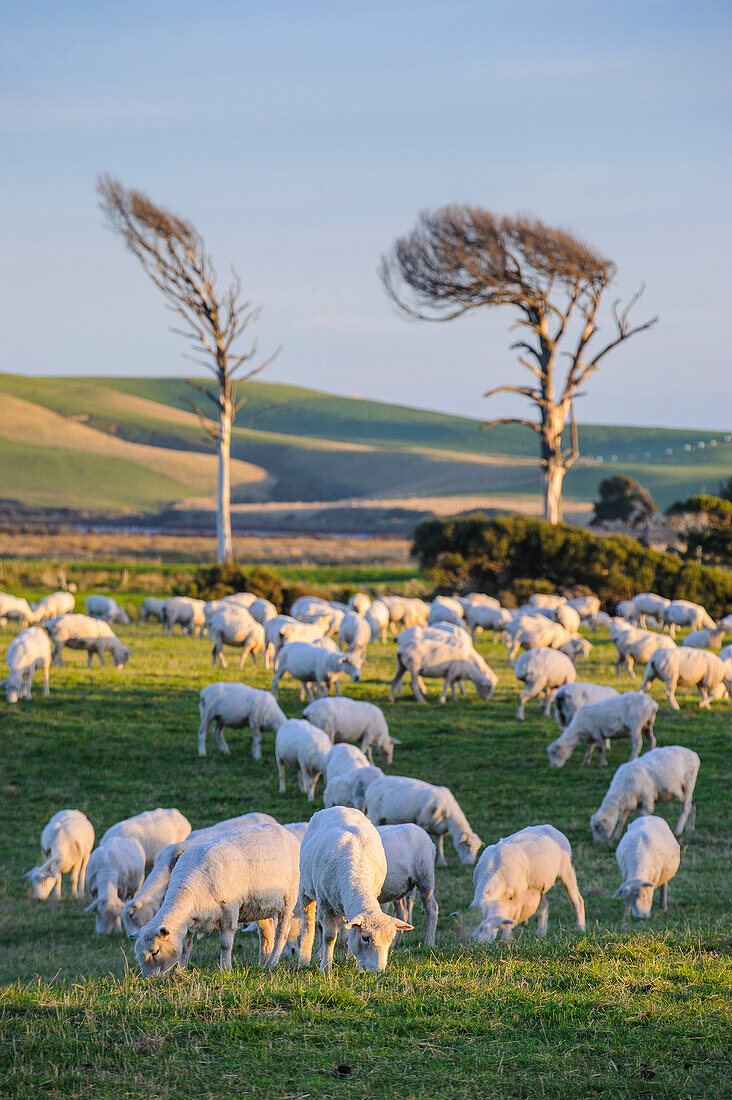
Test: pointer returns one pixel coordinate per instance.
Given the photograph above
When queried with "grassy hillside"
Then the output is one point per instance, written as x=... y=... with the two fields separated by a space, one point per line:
x=294 y=444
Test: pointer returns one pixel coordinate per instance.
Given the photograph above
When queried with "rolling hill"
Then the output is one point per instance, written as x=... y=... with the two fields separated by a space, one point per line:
x=118 y=447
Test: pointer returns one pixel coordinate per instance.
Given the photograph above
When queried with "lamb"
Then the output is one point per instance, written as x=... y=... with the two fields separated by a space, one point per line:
x=342 y=872
x=637 y=646
x=588 y=608
x=440 y=655
x=648 y=857
x=153 y=828
x=311 y=664
x=661 y=775
x=682 y=667
x=353 y=721
x=185 y=611
x=94 y=636
x=354 y=633
x=378 y=618
x=513 y=877
x=151 y=608
x=410 y=866
x=349 y=788
x=29 y=651
x=628 y=715
x=66 y=842
x=17 y=609
x=115 y=873
x=104 y=607
x=480 y=617
x=360 y=603
x=396 y=799
x=571 y=697
x=237 y=706
x=686 y=613
x=298 y=744
x=705 y=639
x=249 y=874
x=57 y=603
x=542 y=670
x=233 y=625
x=344 y=758
x=649 y=603
x=149 y=897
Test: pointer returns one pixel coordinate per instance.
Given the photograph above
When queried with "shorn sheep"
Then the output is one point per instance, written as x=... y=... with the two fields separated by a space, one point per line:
x=356 y=722
x=28 y=652
x=92 y=636
x=571 y=697
x=543 y=671
x=513 y=877
x=648 y=857
x=299 y=744
x=659 y=776
x=314 y=665
x=397 y=799
x=435 y=653
x=681 y=667
x=105 y=607
x=237 y=706
x=630 y=715
x=115 y=873
x=153 y=829
x=410 y=867
x=66 y=843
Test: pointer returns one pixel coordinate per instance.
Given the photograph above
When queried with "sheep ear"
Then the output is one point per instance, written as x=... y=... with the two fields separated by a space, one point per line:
x=396 y=741
x=355 y=923
x=619 y=892
x=31 y=873
x=508 y=923
x=93 y=907
x=163 y=933
x=652 y=885
x=402 y=925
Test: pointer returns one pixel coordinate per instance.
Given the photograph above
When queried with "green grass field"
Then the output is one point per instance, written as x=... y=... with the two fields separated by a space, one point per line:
x=624 y=1010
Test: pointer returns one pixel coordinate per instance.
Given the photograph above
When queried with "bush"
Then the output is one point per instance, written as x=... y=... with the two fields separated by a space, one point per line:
x=522 y=555
x=624 y=499
x=214 y=581
x=712 y=541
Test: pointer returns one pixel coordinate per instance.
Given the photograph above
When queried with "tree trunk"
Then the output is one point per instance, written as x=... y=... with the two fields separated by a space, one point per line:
x=553 y=476
x=223 y=497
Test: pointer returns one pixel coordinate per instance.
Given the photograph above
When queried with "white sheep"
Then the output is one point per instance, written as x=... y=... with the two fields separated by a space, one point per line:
x=477 y=599
x=566 y=616
x=234 y=626
x=144 y=905
x=648 y=857
x=513 y=877
x=434 y=653
x=56 y=603
x=405 y=611
x=348 y=788
x=682 y=667
x=536 y=633
x=410 y=866
x=312 y=664
x=481 y=617
x=344 y=758
x=354 y=633
x=185 y=611
x=151 y=608
x=93 y=636
x=28 y=652
x=705 y=639
x=396 y=799
x=354 y=721
x=543 y=670
x=16 y=609
x=660 y=775
x=726 y=653
x=153 y=828
x=115 y=873
x=686 y=613
x=571 y=697
x=544 y=599
x=105 y=607
x=342 y=872
x=262 y=610
x=630 y=715
x=360 y=603
x=249 y=874
x=309 y=606
x=588 y=608
x=379 y=619
x=446 y=610
x=237 y=706
x=648 y=603
x=636 y=646
x=626 y=610
x=66 y=842
x=299 y=744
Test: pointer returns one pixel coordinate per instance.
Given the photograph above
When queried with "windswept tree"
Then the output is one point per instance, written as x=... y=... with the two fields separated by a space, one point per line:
x=461 y=257
x=174 y=255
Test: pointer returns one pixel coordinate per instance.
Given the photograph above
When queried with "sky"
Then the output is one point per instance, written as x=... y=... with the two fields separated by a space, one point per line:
x=302 y=138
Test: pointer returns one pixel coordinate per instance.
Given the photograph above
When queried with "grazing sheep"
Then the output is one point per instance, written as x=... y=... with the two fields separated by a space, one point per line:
x=705 y=639
x=309 y=606
x=233 y=625
x=620 y=716
x=344 y=758
x=542 y=632
x=405 y=611
x=348 y=788
x=542 y=670
x=477 y=599
x=648 y=603
x=437 y=654
x=353 y=720
x=513 y=877
x=354 y=633
x=153 y=828
x=29 y=651
x=544 y=599
x=686 y=613
x=66 y=842
x=378 y=618
x=262 y=610
x=104 y=607
x=396 y=799
x=682 y=667
x=93 y=636
x=151 y=608
x=144 y=905
x=661 y=775
x=410 y=866
x=312 y=664
x=185 y=611
x=16 y=609
x=250 y=874
x=57 y=603
x=237 y=706
x=299 y=744
x=446 y=610
x=637 y=646
x=626 y=610
x=588 y=608
x=360 y=603
x=115 y=873
x=648 y=857
x=571 y=697
x=480 y=617
x=342 y=872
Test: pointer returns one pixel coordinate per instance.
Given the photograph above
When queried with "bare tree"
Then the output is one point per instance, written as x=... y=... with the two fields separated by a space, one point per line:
x=462 y=257
x=175 y=257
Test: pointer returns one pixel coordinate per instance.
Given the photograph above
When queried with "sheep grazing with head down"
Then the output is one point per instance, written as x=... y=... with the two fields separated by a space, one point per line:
x=685 y=613
x=237 y=706
x=648 y=603
x=66 y=842
x=153 y=829
x=397 y=799
x=355 y=634
x=636 y=646
x=410 y=867
x=299 y=744
x=342 y=872
x=16 y=609
x=186 y=612
x=344 y=758
x=115 y=873
x=353 y=721
x=348 y=788
x=648 y=857
x=435 y=653
x=543 y=671
x=680 y=667
x=28 y=652
x=571 y=697
x=483 y=617
x=513 y=877
x=705 y=639
x=313 y=664
x=658 y=776
x=250 y=874
x=105 y=607
x=92 y=636
x=587 y=607
x=621 y=716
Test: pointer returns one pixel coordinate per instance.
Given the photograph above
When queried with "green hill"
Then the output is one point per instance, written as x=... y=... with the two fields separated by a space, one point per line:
x=133 y=445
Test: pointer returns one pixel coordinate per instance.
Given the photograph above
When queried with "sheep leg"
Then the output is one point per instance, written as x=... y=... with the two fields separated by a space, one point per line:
x=329 y=932
x=414 y=680
x=244 y=654
x=281 y=769
x=283 y=931
x=185 y=951
x=528 y=693
x=266 y=932
x=227 y=931
x=312 y=785
x=636 y=741
x=46 y=688
x=397 y=681
x=275 y=683
x=543 y=916
x=57 y=887
x=442 y=862
x=649 y=735
x=308 y=692
x=219 y=731
x=621 y=824
x=220 y=657
x=75 y=880
x=307 y=937
x=588 y=753
x=202 y=731
x=82 y=876
x=662 y=896
x=256 y=742
x=705 y=701
x=431 y=908
x=56 y=656
x=548 y=700
x=687 y=817
x=89 y=658
x=568 y=879
x=630 y=663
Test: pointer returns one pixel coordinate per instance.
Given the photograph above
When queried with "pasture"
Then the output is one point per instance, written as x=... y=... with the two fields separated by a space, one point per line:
x=624 y=1010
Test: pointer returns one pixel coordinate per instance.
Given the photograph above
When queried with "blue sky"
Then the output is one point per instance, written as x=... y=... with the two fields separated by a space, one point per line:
x=302 y=138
